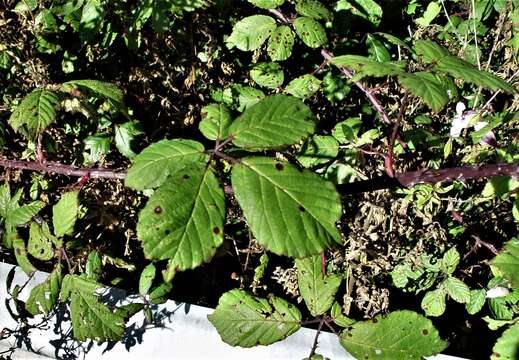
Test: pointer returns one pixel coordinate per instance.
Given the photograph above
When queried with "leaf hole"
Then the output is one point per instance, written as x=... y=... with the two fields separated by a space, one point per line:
x=301 y=208
x=216 y=230
x=279 y=167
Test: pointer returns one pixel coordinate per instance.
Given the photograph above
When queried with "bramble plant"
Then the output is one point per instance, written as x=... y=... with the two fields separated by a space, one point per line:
x=276 y=166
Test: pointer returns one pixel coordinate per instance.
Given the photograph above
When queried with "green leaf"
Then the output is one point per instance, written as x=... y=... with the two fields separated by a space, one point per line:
x=460 y=69
x=44 y=297
x=246 y=321
x=91 y=319
x=259 y=271
x=432 y=11
x=365 y=66
x=159 y=294
x=247 y=96
x=366 y=9
x=273 y=122
x=304 y=86
x=251 y=32
x=433 y=303
x=450 y=261
x=125 y=136
x=64 y=214
x=216 y=119
x=267 y=4
x=313 y=9
x=290 y=212
x=40 y=241
x=102 y=89
x=318 y=150
x=146 y=279
x=94 y=266
x=398 y=335
x=280 y=43
x=376 y=49
x=310 y=31
x=20 y=253
x=269 y=75
x=347 y=131
x=317 y=289
x=429 y=51
x=477 y=300
x=508 y=261
x=456 y=289
x=425 y=86
x=91 y=20
x=183 y=220
x=161 y=159
x=394 y=40
x=96 y=148
x=339 y=318
x=160 y=15
x=21 y=215
x=35 y=113
x=507 y=346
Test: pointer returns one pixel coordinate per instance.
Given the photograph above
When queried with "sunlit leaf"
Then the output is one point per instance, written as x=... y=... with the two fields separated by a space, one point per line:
x=64 y=214
x=215 y=123
x=44 y=297
x=310 y=31
x=251 y=32
x=280 y=43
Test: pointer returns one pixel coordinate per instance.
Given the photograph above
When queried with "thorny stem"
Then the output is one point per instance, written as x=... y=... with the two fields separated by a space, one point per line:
x=316 y=339
x=406 y=179
x=390 y=159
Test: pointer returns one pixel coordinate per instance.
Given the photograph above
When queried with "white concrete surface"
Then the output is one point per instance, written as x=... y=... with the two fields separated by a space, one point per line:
x=184 y=333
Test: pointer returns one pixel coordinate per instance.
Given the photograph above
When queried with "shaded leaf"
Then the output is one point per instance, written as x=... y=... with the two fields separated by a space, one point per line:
x=460 y=69
x=317 y=289
x=99 y=88
x=450 y=261
x=40 y=241
x=398 y=335
x=35 y=113
x=290 y=212
x=20 y=215
x=246 y=321
x=426 y=87
x=275 y=121
x=376 y=49
x=161 y=159
x=96 y=147
x=365 y=9
x=429 y=51
x=365 y=66
x=125 y=136
x=44 y=297
x=508 y=261
x=267 y=4
x=20 y=253
x=318 y=149
x=313 y=9
x=91 y=20
x=433 y=303
x=507 y=346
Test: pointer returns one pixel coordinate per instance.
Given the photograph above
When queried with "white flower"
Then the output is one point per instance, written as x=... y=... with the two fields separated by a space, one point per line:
x=496 y=292
x=461 y=120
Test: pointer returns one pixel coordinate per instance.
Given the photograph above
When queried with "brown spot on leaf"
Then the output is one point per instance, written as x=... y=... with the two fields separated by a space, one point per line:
x=279 y=167
x=425 y=332
x=157 y=210
x=301 y=208
x=186 y=176
x=216 y=230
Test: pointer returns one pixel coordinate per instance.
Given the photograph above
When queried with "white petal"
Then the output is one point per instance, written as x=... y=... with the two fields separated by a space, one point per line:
x=460 y=107
x=496 y=292
x=480 y=125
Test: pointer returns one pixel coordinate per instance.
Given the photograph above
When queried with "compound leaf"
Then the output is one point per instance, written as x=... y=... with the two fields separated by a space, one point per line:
x=215 y=123
x=426 y=87
x=310 y=31
x=183 y=219
x=273 y=122
x=280 y=43
x=317 y=289
x=246 y=321
x=44 y=297
x=91 y=319
x=507 y=346
x=290 y=212
x=64 y=214
x=508 y=261
x=460 y=69
x=251 y=32
x=36 y=111
x=398 y=335
x=155 y=163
